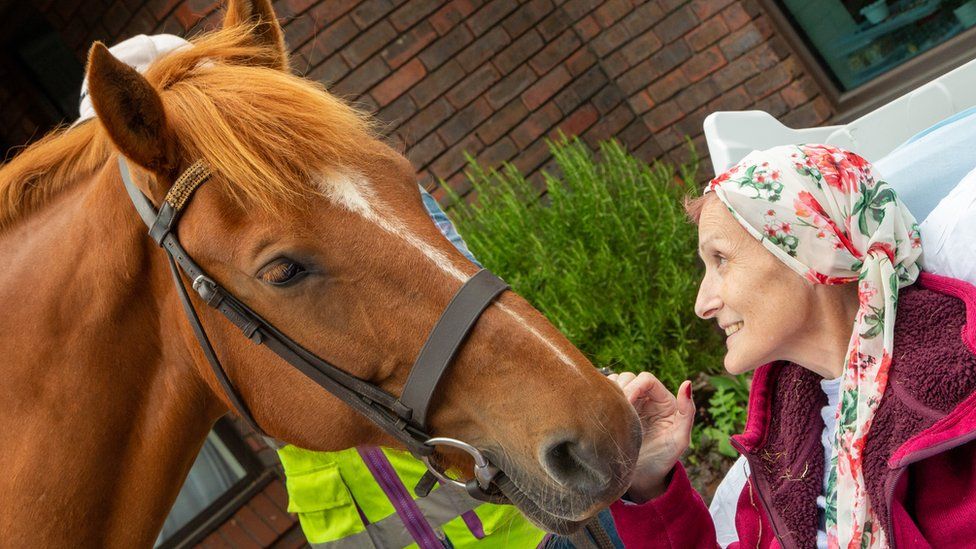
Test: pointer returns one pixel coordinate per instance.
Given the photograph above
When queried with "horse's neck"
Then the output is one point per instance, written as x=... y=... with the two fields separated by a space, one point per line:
x=100 y=414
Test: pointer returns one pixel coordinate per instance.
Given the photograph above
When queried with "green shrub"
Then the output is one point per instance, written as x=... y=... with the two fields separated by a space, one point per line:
x=606 y=254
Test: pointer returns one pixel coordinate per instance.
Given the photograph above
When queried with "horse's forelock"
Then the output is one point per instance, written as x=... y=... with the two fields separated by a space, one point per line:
x=267 y=134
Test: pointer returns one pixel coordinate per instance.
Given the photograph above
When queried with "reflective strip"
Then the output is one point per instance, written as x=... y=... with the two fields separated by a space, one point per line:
x=440 y=507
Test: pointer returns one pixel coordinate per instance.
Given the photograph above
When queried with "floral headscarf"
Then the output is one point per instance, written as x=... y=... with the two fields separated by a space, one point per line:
x=821 y=211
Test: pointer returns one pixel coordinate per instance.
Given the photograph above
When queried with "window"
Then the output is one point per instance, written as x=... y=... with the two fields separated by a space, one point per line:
x=866 y=52
x=224 y=476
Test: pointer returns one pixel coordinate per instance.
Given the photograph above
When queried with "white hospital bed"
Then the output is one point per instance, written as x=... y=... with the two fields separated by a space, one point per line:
x=731 y=135
x=923 y=144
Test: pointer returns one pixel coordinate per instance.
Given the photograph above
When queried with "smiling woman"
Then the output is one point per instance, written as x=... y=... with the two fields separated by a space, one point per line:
x=807 y=256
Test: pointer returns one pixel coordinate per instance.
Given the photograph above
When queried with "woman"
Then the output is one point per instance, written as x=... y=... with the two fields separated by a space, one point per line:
x=861 y=419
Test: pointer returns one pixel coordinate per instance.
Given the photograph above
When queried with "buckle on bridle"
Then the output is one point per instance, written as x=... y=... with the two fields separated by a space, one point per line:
x=206 y=289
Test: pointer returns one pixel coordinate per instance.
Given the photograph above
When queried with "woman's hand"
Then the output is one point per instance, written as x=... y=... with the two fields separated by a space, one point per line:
x=666 y=421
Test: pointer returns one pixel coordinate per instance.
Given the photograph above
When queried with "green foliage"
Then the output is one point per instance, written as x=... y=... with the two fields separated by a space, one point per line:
x=726 y=412
x=606 y=254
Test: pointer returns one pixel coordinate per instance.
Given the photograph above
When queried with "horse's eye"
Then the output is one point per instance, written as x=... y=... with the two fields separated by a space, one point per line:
x=282 y=273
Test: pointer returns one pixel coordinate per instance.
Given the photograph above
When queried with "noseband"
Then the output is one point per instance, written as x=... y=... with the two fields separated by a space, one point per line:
x=404 y=418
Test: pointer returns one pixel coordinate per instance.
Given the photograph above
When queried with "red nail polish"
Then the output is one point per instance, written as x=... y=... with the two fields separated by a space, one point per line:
x=688 y=391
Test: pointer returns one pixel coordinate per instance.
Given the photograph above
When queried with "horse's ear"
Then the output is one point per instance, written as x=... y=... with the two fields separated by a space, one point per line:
x=267 y=30
x=131 y=111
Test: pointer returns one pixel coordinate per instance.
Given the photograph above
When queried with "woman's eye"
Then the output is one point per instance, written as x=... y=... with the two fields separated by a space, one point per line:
x=283 y=273
x=720 y=259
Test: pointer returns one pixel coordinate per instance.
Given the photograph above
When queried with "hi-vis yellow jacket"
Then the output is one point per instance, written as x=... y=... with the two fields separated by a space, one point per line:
x=364 y=498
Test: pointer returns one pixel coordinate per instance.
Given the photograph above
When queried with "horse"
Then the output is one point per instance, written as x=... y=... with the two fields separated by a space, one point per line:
x=313 y=221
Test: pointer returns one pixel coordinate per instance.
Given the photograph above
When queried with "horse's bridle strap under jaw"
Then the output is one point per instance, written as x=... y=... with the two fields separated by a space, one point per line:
x=404 y=418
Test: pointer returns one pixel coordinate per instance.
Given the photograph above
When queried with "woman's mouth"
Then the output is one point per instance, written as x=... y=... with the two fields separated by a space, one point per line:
x=732 y=328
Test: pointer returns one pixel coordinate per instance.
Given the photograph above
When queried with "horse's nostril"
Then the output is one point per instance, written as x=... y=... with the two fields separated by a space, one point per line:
x=574 y=466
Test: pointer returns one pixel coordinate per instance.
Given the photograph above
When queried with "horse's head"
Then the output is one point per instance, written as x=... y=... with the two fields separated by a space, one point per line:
x=319 y=227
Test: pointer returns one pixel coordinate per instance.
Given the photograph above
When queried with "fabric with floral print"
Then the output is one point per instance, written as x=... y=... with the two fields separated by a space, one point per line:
x=822 y=211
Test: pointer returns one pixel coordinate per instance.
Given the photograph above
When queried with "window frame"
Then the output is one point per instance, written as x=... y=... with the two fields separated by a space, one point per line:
x=257 y=476
x=849 y=105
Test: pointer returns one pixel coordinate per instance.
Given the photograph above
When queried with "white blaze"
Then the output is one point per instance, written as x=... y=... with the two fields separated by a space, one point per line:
x=354 y=192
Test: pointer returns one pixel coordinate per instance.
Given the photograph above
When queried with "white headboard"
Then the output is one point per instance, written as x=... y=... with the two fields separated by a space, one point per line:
x=731 y=135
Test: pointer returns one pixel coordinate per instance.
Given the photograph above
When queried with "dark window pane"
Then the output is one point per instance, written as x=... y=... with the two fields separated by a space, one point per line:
x=858 y=40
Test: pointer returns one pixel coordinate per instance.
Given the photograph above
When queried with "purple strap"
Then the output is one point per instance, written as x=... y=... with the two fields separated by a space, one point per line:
x=406 y=508
x=474 y=524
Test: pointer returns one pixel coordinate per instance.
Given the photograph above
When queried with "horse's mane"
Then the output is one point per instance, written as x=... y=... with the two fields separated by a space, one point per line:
x=265 y=133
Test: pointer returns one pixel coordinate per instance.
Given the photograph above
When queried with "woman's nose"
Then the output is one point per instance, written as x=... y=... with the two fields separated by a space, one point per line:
x=707 y=303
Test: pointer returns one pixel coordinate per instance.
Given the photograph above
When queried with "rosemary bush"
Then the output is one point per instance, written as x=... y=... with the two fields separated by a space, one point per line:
x=606 y=254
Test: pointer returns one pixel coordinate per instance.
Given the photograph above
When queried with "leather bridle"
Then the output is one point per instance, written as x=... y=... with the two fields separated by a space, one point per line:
x=404 y=418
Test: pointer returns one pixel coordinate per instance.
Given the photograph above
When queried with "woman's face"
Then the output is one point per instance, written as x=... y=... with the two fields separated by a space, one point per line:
x=763 y=307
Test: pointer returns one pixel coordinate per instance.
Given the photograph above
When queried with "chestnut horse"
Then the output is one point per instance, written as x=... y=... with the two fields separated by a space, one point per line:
x=318 y=226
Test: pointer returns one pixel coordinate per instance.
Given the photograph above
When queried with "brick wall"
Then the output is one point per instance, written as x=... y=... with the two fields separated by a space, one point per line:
x=494 y=78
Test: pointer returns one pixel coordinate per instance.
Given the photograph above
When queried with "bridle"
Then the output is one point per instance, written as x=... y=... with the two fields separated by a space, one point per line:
x=404 y=418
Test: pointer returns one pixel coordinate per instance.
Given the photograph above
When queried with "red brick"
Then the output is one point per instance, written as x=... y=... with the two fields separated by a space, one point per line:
x=799 y=92
x=735 y=99
x=446 y=47
x=536 y=125
x=643 y=18
x=526 y=16
x=473 y=85
x=609 y=40
x=510 y=86
x=707 y=33
x=608 y=126
x=663 y=116
x=532 y=158
x=365 y=77
x=608 y=98
x=398 y=82
x=518 y=51
x=707 y=8
x=501 y=151
x=331 y=71
x=587 y=28
x=812 y=114
x=769 y=81
x=735 y=73
x=186 y=17
x=664 y=61
x=444 y=19
x=641 y=102
x=554 y=52
x=412 y=12
x=610 y=11
x=676 y=25
x=579 y=121
x=483 y=49
x=546 y=87
x=453 y=159
x=426 y=150
x=236 y=536
x=664 y=88
x=640 y=48
x=704 y=63
x=214 y=541
x=697 y=95
x=740 y=41
x=580 y=61
x=291 y=8
x=275 y=518
x=735 y=17
x=502 y=121
x=275 y=491
x=368 y=43
x=331 y=39
x=553 y=25
x=773 y=104
x=408 y=44
x=489 y=14
x=370 y=11
x=162 y=8
x=465 y=121
x=426 y=120
x=255 y=527
x=436 y=83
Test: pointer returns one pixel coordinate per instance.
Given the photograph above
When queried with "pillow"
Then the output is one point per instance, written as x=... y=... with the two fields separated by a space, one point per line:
x=928 y=166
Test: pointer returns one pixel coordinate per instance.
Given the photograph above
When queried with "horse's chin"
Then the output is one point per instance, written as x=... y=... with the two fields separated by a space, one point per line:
x=541 y=518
